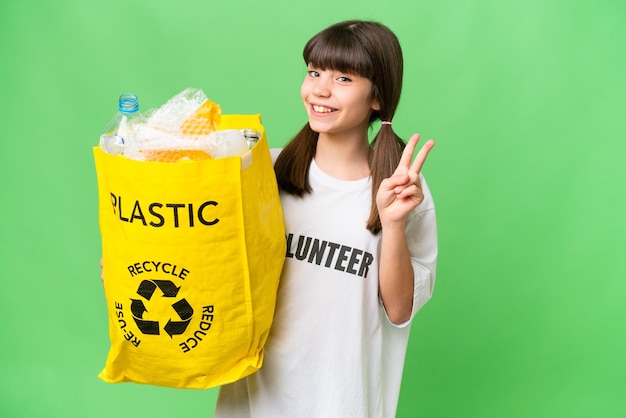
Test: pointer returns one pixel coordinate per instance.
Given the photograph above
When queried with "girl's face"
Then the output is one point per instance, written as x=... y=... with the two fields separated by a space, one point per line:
x=337 y=102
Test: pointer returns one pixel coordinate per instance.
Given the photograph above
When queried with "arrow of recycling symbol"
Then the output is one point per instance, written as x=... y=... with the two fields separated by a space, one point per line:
x=147 y=288
x=147 y=327
x=185 y=312
x=183 y=309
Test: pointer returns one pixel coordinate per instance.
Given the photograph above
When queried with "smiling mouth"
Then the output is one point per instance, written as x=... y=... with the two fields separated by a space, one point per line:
x=322 y=109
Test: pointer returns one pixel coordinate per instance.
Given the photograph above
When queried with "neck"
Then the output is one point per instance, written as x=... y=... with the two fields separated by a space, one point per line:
x=343 y=158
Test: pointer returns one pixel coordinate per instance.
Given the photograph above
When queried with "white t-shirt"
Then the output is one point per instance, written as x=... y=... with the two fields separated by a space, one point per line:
x=332 y=352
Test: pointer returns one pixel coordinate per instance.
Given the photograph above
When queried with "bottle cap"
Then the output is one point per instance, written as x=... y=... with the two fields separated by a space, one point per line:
x=128 y=103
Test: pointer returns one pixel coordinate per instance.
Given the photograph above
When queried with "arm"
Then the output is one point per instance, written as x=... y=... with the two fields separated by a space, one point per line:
x=396 y=280
x=396 y=198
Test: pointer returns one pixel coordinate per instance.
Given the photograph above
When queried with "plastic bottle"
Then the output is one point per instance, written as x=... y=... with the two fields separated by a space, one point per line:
x=119 y=131
x=252 y=136
x=227 y=143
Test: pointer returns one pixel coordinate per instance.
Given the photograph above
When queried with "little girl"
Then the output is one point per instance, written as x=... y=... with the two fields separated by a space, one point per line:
x=361 y=241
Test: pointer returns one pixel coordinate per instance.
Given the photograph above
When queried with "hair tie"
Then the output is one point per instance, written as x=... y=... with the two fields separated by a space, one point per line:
x=386 y=122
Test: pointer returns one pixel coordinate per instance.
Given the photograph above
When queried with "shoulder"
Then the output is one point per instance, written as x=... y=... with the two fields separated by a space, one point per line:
x=424 y=213
x=275 y=152
x=428 y=203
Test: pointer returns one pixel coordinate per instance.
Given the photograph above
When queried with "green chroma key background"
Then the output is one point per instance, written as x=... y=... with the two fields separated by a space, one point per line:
x=527 y=102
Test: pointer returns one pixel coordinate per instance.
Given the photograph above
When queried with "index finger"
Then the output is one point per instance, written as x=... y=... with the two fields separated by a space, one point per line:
x=407 y=153
x=420 y=159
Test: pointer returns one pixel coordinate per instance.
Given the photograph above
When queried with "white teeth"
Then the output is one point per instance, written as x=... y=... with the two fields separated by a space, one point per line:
x=322 y=109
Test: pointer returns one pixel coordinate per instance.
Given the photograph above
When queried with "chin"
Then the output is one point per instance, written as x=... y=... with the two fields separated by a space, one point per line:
x=318 y=127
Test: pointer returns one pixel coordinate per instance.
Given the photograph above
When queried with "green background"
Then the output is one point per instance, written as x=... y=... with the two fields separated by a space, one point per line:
x=526 y=100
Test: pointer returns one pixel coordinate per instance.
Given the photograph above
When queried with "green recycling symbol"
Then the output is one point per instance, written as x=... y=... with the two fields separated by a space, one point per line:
x=181 y=307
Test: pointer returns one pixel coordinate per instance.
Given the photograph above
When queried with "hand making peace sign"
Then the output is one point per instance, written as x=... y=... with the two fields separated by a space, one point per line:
x=402 y=192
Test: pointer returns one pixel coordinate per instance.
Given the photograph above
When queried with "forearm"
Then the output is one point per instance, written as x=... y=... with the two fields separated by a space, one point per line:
x=396 y=278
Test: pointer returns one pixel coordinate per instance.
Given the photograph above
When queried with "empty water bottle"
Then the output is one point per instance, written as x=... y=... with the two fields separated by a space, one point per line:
x=120 y=130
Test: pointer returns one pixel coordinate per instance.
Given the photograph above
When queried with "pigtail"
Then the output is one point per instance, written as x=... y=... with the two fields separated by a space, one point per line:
x=388 y=149
x=292 y=165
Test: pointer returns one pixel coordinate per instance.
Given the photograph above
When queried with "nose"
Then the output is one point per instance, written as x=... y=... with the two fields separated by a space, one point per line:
x=322 y=86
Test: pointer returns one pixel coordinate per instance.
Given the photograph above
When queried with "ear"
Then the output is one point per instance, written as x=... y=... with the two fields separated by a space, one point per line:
x=375 y=105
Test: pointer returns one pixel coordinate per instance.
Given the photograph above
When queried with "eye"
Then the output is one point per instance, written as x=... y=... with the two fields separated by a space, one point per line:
x=313 y=73
x=344 y=79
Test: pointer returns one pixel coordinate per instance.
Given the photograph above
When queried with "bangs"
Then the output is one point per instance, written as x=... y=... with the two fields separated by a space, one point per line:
x=339 y=50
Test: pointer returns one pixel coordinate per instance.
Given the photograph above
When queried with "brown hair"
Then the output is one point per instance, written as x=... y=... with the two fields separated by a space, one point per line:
x=370 y=50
